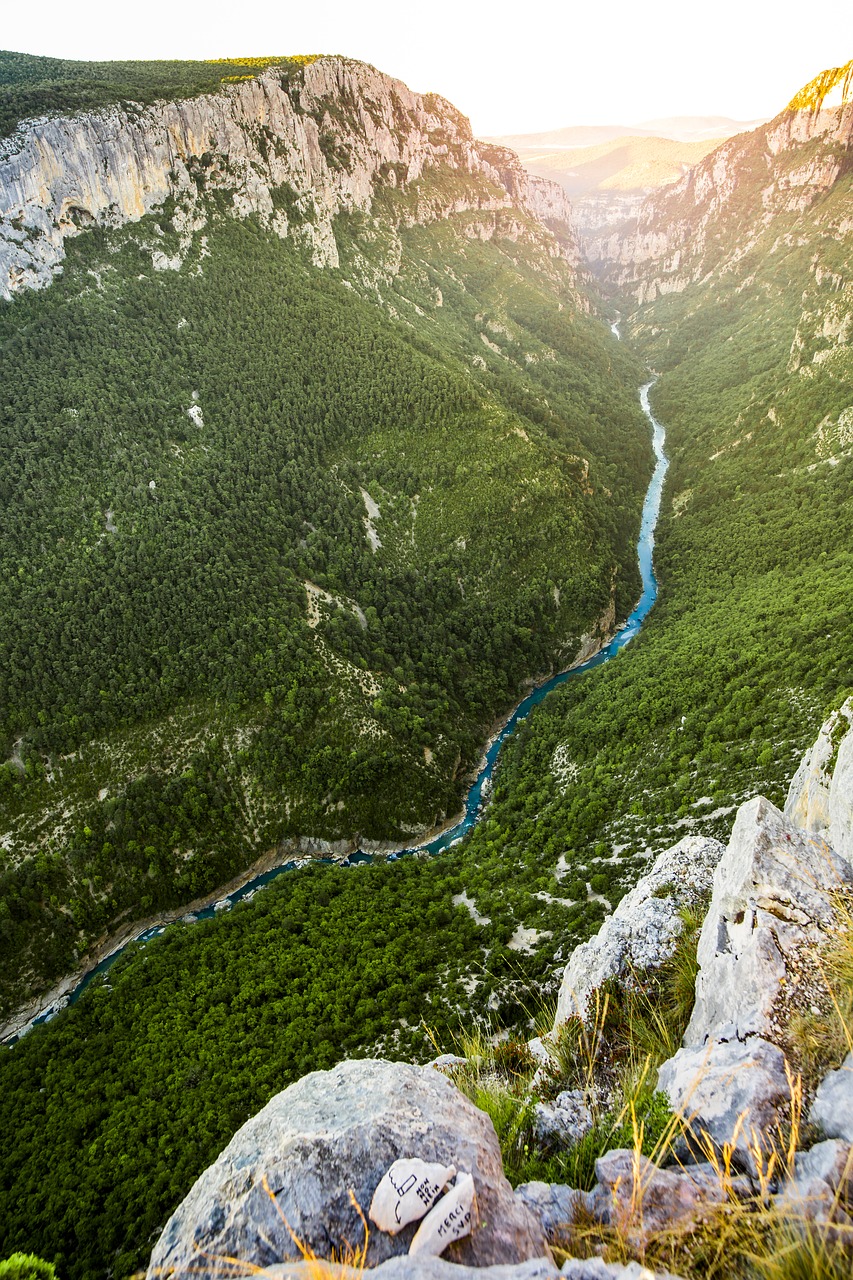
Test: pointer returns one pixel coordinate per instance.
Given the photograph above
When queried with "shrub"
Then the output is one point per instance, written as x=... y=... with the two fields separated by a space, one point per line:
x=26 y=1266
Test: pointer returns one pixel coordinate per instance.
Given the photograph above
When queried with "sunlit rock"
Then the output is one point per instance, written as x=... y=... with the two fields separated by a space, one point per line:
x=407 y=1191
x=644 y=928
x=451 y=1219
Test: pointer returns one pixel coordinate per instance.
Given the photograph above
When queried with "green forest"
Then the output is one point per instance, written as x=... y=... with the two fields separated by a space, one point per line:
x=202 y=652
x=112 y=1110
x=32 y=86
x=735 y=668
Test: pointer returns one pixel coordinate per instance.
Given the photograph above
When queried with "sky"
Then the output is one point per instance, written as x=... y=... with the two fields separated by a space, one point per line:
x=512 y=67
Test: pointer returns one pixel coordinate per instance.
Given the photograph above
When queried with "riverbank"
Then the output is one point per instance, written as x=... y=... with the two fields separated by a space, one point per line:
x=292 y=853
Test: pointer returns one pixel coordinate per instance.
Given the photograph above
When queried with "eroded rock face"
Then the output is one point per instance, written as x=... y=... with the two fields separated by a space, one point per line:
x=326 y=138
x=643 y=1199
x=832 y=1109
x=774 y=903
x=438 y=1269
x=331 y=1133
x=731 y=1092
x=644 y=928
x=553 y=1203
x=673 y=238
x=831 y=1161
x=820 y=797
x=565 y=1120
x=773 y=894
x=422 y=1268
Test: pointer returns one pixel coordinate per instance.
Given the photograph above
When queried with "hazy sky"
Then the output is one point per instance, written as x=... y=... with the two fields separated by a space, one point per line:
x=512 y=67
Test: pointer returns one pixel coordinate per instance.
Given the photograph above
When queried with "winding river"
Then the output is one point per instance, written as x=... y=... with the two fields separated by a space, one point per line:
x=478 y=792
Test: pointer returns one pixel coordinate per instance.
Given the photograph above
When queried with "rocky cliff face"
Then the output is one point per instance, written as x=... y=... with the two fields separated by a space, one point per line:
x=778 y=894
x=295 y=149
x=720 y=208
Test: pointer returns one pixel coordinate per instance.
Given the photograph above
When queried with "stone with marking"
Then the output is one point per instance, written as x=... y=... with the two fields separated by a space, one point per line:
x=408 y=1190
x=451 y=1219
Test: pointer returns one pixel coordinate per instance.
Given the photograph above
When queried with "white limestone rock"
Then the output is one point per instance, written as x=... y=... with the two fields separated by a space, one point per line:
x=422 y=1267
x=732 y=1093
x=773 y=892
x=565 y=1120
x=598 y=1269
x=552 y=1203
x=407 y=1191
x=426 y=1268
x=451 y=1219
x=330 y=1134
x=831 y=1161
x=643 y=1199
x=644 y=928
x=840 y=833
x=448 y=1062
x=111 y=167
x=820 y=797
x=832 y=1109
x=810 y=1199
x=539 y=1050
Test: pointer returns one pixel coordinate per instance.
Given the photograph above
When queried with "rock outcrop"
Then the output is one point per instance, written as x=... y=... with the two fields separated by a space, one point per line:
x=296 y=149
x=290 y=1175
x=674 y=238
x=728 y=1093
x=820 y=797
x=438 y=1269
x=772 y=898
x=644 y=928
x=774 y=904
x=832 y=1109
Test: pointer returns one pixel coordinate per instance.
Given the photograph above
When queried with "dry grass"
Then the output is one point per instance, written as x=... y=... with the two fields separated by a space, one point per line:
x=821 y=1043
x=743 y=1237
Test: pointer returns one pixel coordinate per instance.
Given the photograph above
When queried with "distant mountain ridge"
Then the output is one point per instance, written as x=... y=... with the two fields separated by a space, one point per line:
x=723 y=206
x=607 y=170
x=675 y=128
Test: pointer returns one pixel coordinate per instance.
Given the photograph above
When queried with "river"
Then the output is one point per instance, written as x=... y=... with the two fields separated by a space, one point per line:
x=476 y=798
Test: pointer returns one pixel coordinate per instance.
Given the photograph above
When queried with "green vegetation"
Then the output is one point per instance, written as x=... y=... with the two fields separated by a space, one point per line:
x=748 y=646
x=202 y=653
x=114 y=1108
x=279 y=546
x=32 y=86
x=26 y=1266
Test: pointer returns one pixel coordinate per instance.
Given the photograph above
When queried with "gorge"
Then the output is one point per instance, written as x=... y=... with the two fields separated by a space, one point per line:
x=427 y=334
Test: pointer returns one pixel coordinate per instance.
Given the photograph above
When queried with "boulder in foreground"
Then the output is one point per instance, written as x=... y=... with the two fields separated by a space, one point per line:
x=332 y=1133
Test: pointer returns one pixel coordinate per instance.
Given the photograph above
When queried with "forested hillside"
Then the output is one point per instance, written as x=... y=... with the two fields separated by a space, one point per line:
x=280 y=543
x=750 y=642
x=32 y=86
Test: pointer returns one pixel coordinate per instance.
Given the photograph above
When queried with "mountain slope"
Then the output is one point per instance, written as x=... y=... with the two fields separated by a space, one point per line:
x=295 y=145
x=311 y=458
x=608 y=171
x=626 y=165
x=728 y=205
x=737 y=290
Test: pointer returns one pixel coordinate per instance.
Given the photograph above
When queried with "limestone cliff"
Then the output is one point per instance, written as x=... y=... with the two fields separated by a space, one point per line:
x=717 y=210
x=297 y=149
